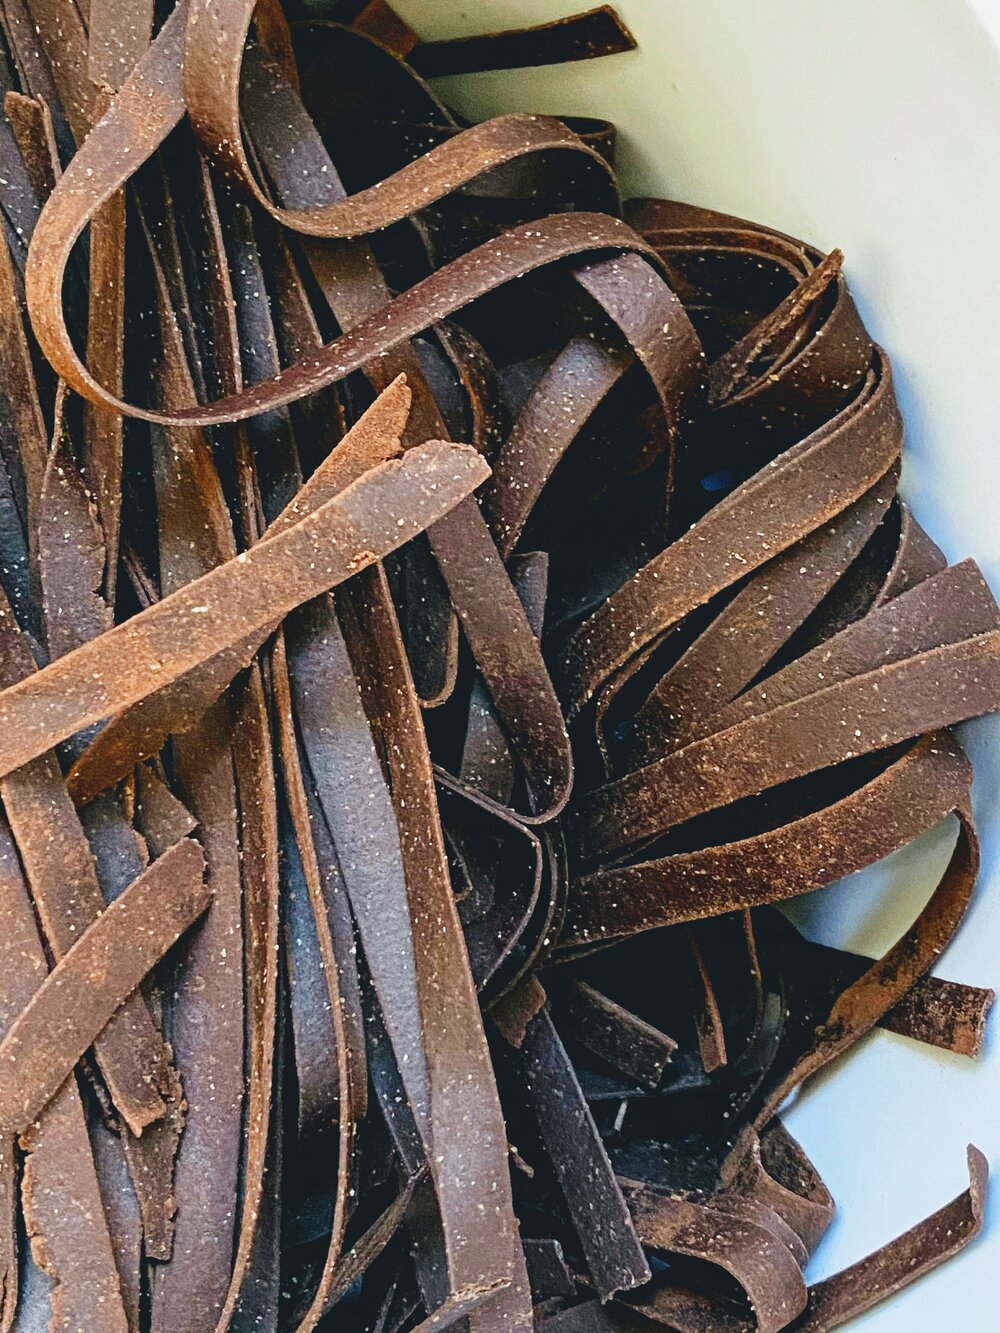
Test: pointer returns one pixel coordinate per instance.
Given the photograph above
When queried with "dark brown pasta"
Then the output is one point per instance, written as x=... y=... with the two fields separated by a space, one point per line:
x=444 y=611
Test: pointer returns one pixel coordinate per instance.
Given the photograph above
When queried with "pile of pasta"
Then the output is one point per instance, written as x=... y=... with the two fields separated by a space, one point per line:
x=445 y=610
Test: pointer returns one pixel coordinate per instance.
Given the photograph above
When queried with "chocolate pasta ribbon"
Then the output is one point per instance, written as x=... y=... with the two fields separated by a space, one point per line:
x=70 y=1008
x=223 y=608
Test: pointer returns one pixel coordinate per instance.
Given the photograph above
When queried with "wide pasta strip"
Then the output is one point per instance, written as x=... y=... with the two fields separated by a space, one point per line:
x=865 y=713
x=78 y=998
x=224 y=607
x=838 y=1299
x=816 y=479
x=141 y=730
x=74 y=1249
x=923 y=786
x=597 y=32
x=458 y=1111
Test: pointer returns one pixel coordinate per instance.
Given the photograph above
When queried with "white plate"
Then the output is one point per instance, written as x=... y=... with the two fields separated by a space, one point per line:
x=872 y=125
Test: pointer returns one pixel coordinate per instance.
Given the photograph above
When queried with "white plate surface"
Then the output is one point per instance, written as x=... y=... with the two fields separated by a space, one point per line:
x=873 y=125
